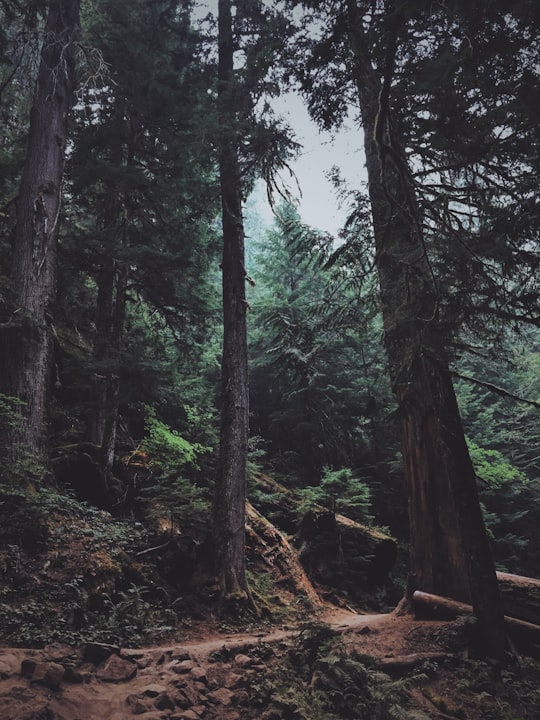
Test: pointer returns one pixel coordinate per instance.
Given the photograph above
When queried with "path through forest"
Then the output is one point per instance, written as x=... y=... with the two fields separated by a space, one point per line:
x=209 y=677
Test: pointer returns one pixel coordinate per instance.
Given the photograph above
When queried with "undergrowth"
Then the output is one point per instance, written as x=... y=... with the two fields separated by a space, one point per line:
x=319 y=680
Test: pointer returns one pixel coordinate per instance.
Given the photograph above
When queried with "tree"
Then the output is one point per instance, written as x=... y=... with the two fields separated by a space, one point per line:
x=450 y=549
x=27 y=340
x=143 y=188
x=250 y=145
x=311 y=399
x=230 y=491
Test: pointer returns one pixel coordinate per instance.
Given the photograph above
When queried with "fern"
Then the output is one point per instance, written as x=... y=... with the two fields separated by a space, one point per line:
x=319 y=680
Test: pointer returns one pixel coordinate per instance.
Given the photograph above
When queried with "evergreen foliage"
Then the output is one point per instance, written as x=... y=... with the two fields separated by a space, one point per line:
x=137 y=326
x=170 y=488
x=340 y=492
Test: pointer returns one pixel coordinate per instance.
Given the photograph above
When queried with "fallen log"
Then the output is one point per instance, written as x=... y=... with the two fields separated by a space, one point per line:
x=402 y=664
x=521 y=596
x=525 y=635
x=335 y=551
x=270 y=545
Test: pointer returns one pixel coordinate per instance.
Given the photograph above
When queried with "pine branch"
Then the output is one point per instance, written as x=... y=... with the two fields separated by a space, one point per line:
x=495 y=388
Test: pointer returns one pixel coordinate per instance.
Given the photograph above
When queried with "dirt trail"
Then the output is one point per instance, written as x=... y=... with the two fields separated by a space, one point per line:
x=208 y=678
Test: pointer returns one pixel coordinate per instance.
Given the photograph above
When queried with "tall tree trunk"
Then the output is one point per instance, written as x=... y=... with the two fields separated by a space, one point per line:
x=111 y=300
x=230 y=493
x=110 y=321
x=450 y=548
x=27 y=352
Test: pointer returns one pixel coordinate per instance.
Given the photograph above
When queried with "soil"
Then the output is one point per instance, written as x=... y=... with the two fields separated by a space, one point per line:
x=216 y=676
x=208 y=668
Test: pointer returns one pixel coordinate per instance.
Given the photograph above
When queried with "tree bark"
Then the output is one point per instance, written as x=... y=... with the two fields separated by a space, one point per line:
x=230 y=491
x=110 y=321
x=450 y=549
x=27 y=350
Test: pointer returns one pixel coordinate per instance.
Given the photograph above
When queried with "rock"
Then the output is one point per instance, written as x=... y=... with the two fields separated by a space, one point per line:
x=187 y=715
x=179 y=654
x=214 y=676
x=241 y=697
x=137 y=704
x=182 y=700
x=58 y=652
x=27 y=668
x=154 y=690
x=221 y=696
x=96 y=653
x=198 y=674
x=116 y=669
x=184 y=666
x=243 y=660
x=191 y=694
x=9 y=665
x=49 y=674
x=164 y=702
x=73 y=675
x=232 y=680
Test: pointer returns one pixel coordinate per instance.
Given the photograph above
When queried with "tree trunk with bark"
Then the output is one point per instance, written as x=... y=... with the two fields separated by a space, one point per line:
x=450 y=550
x=28 y=341
x=112 y=281
x=110 y=321
x=230 y=491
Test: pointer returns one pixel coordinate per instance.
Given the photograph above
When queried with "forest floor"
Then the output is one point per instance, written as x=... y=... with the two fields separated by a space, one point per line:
x=244 y=676
x=90 y=630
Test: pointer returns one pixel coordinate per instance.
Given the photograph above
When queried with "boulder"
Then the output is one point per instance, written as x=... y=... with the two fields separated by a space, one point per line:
x=116 y=669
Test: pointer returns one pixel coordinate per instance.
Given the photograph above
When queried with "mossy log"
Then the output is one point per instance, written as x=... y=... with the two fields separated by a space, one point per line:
x=334 y=550
x=344 y=554
x=274 y=549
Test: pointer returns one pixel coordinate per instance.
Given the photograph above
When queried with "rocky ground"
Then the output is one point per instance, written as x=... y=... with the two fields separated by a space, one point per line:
x=223 y=677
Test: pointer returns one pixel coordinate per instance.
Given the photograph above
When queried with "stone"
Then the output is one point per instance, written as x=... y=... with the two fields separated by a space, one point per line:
x=187 y=715
x=9 y=665
x=184 y=666
x=198 y=674
x=137 y=705
x=164 y=702
x=96 y=653
x=27 y=668
x=241 y=697
x=154 y=690
x=243 y=660
x=59 y=651
x=221 y=696
x=232 y=680
x=215 y=676
x=49 y=674
x=179 y=654
x=192 y=695
x=116 y=669
x=73 y=675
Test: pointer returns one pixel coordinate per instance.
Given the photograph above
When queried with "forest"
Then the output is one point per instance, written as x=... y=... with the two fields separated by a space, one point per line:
x=210 y=418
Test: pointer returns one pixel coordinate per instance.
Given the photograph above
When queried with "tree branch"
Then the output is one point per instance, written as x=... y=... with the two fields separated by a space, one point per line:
x=496 y=389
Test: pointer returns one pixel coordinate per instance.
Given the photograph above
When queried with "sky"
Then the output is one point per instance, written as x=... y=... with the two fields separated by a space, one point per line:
x=317 y=201
x=318 y=204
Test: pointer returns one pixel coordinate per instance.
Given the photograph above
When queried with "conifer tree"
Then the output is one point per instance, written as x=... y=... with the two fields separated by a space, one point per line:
x=143 y=186
x=249 y=145
x=26 y=348
x=450 y=551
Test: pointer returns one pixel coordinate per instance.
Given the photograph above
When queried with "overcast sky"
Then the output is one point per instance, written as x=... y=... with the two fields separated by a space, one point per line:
x=318 y=204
